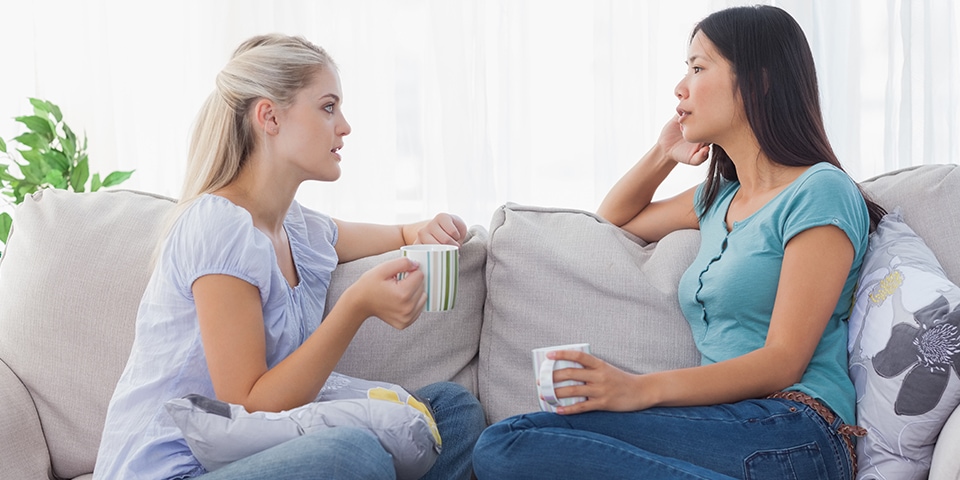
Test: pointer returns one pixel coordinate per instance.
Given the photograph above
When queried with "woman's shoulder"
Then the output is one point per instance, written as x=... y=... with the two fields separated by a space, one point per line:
x=824 y=183
x=211 y=218
x=213 y=226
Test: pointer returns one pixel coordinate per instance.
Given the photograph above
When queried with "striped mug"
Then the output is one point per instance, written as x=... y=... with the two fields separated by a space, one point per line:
x=440 y=265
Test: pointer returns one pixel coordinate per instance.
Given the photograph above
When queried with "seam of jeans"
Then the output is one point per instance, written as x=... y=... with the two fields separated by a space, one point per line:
x=840 y=454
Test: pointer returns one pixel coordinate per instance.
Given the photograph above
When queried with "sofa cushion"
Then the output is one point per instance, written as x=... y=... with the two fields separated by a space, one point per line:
x=559 y=276
x=72 y=275
x=927 y=196
x=904 y=352
x=27 y=457
x=439 y=346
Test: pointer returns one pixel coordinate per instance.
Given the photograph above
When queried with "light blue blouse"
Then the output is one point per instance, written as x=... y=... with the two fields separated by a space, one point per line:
x=727 y=293
x=212 y=236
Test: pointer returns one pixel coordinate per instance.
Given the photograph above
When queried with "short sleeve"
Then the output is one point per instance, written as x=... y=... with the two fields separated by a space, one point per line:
x=215 y=236
x=321 y=230
x=828 y=196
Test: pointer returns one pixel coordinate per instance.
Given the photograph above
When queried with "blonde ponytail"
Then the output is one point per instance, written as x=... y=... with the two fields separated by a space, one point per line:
x=274 y=67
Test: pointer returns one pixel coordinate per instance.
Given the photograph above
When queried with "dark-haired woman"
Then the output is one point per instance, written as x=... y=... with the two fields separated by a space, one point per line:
x=783 y=232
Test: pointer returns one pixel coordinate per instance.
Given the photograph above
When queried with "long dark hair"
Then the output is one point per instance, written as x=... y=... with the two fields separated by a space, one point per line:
x=777 y=81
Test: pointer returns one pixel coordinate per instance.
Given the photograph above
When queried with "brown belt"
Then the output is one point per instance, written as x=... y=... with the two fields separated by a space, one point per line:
x=846 y=431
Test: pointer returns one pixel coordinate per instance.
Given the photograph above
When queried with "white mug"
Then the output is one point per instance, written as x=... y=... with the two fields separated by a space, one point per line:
x=440 y=265
x=544 y=367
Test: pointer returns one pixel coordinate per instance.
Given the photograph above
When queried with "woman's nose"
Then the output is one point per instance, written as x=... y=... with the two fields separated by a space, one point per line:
x=680 y=90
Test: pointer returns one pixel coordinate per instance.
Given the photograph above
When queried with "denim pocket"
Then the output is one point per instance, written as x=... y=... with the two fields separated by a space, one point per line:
x=795 y=463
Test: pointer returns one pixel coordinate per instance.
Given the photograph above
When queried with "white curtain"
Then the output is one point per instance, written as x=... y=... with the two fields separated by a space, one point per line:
x=463 y=105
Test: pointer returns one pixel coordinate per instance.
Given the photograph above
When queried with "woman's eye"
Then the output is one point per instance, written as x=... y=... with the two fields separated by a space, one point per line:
x=696 y=69
x=329 y=108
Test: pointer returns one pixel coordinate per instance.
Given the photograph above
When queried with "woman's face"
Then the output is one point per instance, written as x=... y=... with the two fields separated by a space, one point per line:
x=710 y=108
x=312 y=128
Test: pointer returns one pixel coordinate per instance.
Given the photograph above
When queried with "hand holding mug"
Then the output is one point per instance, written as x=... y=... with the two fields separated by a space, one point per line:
x=544 y=368
x=440 y=265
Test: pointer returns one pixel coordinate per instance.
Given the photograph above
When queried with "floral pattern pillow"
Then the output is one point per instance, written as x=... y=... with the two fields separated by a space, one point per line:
x=904 y=349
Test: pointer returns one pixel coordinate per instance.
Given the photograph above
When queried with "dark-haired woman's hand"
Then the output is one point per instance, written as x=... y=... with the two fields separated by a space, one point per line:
x=677 y=148
x=605 y=386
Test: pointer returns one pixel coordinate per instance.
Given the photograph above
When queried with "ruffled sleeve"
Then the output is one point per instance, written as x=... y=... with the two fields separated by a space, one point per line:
x=216 y=237
x=312 y=238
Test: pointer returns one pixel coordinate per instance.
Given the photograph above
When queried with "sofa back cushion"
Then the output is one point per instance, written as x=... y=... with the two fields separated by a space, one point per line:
x=439 y=346
x=927 y=196
x=71 y=278
x=560 y=276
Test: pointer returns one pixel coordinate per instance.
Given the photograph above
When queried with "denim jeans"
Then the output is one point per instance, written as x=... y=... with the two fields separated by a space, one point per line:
x=355 y=454
x=753 y=439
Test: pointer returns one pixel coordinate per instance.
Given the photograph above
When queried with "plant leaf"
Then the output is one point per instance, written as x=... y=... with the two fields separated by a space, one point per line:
x=31 y=156
x=39 y=125
x=3 y=146
x=5 y=222
x=22 y=190
x=69 y=145
x=95 y=183
x=39 y=107
x=33 y=140
x=55 y=179
x=80 y=175
x=44 y=108
x=56 y=160
x=33 y=171
x=116 y=178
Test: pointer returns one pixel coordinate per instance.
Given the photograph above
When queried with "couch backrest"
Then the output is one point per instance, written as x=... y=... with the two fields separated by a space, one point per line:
x=71 y=277
x=928 y=196
x=439 y=346
x=560 y=276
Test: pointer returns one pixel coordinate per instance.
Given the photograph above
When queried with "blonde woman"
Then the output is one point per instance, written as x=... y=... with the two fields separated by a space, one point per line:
x=233 y=309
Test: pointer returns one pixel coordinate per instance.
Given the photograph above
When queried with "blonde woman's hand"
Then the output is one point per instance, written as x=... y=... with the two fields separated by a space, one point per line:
x=677 y=148
x=397 y=302
x=445 y=229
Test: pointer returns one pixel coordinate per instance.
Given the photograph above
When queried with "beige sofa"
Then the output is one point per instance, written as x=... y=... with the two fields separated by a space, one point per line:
x=76 y=264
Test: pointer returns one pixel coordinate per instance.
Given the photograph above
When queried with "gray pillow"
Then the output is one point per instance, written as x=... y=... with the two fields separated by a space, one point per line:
x=558 y=276
x=220 y=433
x=904 y=352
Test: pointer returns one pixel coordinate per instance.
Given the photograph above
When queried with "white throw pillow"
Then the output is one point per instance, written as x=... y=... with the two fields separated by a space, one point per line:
x=904 y=352
x=219 y=433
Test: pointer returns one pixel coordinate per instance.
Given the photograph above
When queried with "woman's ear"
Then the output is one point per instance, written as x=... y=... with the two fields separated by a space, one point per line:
x=265 y=114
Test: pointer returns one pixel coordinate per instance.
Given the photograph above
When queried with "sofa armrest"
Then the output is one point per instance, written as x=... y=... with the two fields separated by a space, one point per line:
x=23 y=449
x=946 y=463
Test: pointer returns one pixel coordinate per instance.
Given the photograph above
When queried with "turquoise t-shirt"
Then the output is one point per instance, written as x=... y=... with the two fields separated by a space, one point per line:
x=727 y=293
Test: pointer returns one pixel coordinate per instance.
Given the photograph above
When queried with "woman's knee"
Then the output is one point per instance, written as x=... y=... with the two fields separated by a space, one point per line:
x=453 y=397
x=348 y=453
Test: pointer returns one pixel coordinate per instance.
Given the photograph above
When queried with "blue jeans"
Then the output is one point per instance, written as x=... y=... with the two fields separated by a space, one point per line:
x=753 y=439
x=355 y=454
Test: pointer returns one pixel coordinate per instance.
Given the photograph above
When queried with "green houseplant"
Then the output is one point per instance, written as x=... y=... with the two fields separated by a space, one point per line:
x=52 y=157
